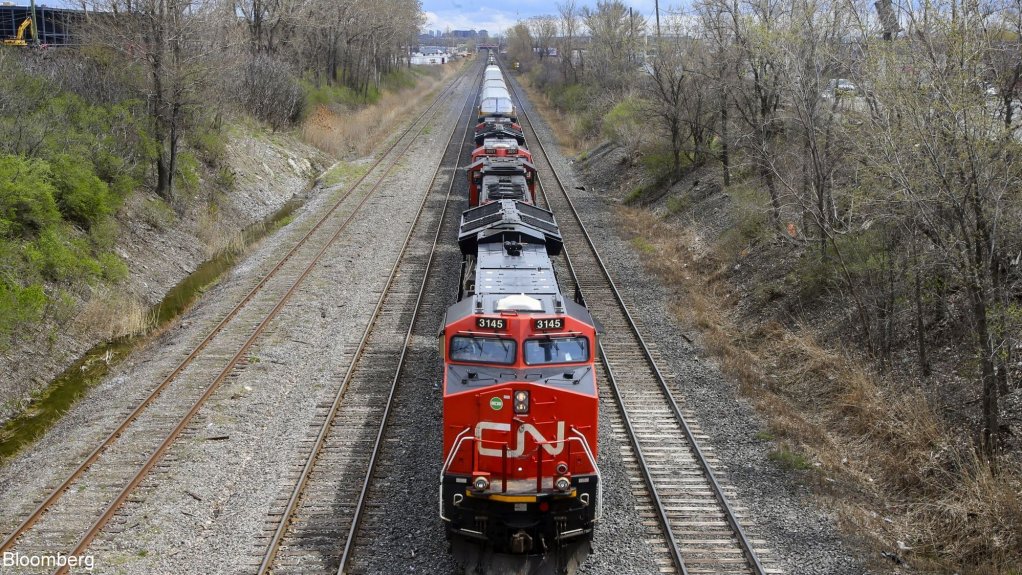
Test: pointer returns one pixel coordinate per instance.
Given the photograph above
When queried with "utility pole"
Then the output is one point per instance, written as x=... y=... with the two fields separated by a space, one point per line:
x=656 y=7
x=35 y=31
x=631 y=36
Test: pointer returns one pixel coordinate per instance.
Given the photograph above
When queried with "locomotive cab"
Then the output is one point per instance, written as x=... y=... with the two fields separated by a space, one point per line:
x=520 y=423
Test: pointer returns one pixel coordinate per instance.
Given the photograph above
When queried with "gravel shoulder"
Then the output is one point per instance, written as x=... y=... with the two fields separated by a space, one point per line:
x=800 y=533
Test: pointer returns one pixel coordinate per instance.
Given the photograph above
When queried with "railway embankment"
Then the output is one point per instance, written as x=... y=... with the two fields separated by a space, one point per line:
x=154 y=256
x=804 y=418
x=161 y=244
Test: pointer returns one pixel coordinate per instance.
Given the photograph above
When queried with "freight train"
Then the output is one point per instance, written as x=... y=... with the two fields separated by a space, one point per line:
x=519 y=479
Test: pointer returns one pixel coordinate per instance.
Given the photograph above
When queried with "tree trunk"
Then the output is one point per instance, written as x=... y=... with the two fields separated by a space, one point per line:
x=924 y=364
x=989 y=378
x=775 y=202
x=725 y=157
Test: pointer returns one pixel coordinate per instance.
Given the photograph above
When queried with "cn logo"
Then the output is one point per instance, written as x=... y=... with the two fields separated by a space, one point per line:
x=519 y=448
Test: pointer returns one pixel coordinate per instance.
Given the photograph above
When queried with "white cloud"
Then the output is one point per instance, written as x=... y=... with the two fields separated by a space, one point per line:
x=489 y=20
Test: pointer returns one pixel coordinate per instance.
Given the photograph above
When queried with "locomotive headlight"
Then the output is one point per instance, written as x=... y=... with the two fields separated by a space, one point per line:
x=521 y=401
x=481 y=483
x=562 y=468
x=562 y=484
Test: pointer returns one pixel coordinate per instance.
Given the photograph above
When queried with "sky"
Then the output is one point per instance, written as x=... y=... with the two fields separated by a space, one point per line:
x=491 y=15
x=496 y=15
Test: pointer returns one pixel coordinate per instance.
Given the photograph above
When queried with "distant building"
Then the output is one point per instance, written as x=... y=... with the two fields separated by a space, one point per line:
x=55 y=25
x=434 y=59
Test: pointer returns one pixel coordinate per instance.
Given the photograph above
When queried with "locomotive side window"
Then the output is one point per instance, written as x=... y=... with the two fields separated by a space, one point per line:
x=558 y=350
x=483 y=349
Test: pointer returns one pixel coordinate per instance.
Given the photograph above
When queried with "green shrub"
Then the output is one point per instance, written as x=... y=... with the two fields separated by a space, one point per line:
x=157 y=213
x=659 y=161
x=624 y=121
x=226 y=179
x=570 y=98
x=211 y=146
x=328 y=95
x=83 y=198
x=679 y=204
x=27 y=203
x=188 y=172
x=751 y=220
x=61 y=257
x=401 y=79
x=18 y=306
x=103 y=234
x=789 y=459
x=114 y=268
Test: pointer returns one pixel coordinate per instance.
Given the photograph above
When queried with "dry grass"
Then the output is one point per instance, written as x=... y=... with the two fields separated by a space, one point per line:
x=893 y=469
x=111 y=315
x=217 y=236
x=358 y=132
x=564 y=126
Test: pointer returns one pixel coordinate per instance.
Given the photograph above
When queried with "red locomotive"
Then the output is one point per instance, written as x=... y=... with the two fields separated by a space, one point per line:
x=501 y=169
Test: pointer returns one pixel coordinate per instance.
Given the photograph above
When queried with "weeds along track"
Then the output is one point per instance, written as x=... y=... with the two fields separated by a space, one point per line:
x=313 y=529
x=692 y=525
x=70 y=516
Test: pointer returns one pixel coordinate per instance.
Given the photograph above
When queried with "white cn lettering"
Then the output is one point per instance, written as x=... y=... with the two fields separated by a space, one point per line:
x=519 y=449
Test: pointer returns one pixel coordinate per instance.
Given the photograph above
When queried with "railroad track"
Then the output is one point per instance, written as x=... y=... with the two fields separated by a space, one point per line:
x=314 y=528
x=71 y=515
x=693 y=526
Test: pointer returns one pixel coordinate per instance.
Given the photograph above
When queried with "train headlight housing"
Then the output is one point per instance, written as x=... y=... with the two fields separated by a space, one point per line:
x=562 y=484
x=521 y=401
x=562 y=468
x=481 y=483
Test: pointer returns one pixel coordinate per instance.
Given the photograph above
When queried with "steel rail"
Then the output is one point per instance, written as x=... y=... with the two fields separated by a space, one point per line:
x=321 y=437
x=377 y=447
x=58 y=492
x=718 y=491
x=157 y=455
x=673 y=547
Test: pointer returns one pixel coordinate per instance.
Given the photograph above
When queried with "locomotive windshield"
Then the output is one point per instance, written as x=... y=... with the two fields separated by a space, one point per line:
x=559 y=350
x=483 y=349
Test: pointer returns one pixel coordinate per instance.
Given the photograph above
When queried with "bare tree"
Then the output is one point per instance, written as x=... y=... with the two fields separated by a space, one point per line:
x=543 y=30
x=952 y=173
x=611 y=46
x=679 y=96
x=570 y=52
x=165 y=40
x=751 y=29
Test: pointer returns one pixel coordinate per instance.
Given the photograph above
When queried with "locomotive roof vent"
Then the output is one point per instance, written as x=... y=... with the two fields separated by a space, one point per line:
x=519 y=302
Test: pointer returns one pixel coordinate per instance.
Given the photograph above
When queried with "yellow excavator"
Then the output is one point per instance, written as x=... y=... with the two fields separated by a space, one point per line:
x=19 y=40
